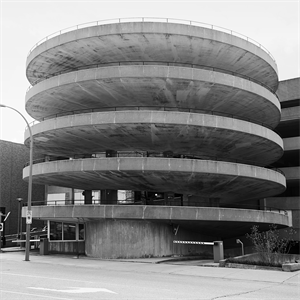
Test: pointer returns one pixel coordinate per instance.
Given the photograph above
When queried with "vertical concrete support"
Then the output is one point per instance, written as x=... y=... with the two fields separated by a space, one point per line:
x=218 y=251
x=109 y=196
x=73 y=195
x=88 y=198
x=128 y=239
x=45 y=194
x=263 y=204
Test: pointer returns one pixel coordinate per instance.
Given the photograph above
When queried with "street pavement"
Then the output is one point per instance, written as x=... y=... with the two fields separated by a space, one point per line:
x=69 y=277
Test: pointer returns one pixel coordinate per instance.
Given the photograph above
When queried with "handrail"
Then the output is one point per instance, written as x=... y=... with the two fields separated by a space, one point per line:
x=152 y=154
x=158 y=202
x=149 y=63
x=148 y=107
x=151 y=19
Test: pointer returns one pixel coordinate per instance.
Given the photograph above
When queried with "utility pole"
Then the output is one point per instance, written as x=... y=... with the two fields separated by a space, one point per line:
x=1 y=229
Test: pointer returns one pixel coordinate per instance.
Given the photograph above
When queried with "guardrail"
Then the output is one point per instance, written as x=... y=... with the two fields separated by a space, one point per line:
x=149 y=63
x=166 y=154
x=151 y=19
x=154 y=108
x=160 y=202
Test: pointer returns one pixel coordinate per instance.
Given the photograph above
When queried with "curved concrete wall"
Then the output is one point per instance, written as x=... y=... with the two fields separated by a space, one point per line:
x=166 y=214
x=158 y=131
x=159 y=86
x=118 y=231
x=128 y=239
x=140 y=41
x=223 y=180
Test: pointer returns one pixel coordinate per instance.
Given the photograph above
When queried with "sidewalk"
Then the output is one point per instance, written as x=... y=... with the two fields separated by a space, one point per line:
x=156 y=265
x=153 y=260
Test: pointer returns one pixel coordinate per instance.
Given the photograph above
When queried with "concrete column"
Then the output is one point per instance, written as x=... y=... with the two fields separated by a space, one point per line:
x=88 y=199
x=263 y=204
x=73 y=195
x=46 y=194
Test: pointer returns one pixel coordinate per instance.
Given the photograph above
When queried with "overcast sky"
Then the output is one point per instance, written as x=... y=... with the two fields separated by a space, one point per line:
x=274 y=24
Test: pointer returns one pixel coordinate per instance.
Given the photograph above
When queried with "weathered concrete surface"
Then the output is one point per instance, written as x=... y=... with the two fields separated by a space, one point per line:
x=284 y=203
x=292 y=143
x=216 y=179
x=214 y=222
x=160 y=86
x=289 y=90
x=154 y=213
x=158 y=131
x=291 y=173
x=128 y=239
x=291 y=113
x=291 y=267
x=140 y=41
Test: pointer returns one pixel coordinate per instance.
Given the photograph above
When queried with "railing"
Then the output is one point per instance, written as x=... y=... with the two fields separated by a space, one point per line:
x=149 y=63
x=151 y=19
x=160 y=202
x=166 y=154
x=160 y=108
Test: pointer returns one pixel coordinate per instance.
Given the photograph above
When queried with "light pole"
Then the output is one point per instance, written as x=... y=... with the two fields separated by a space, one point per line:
x=19 y=217
x=29 y=213
x=238 y=241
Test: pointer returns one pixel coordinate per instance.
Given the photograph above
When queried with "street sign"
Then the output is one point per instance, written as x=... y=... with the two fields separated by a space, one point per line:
x=1 y=227
x=29 y=217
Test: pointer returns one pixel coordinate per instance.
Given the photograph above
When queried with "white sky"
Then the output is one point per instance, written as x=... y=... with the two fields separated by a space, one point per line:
x=274 y=24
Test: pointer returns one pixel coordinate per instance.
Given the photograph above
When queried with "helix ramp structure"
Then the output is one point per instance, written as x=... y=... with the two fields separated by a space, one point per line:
x=180 y=109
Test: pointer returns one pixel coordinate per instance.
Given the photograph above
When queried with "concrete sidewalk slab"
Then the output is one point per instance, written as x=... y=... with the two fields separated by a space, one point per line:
x=151 y=265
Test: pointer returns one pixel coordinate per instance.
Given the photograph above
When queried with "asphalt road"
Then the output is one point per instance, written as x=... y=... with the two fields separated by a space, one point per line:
x=66 y=277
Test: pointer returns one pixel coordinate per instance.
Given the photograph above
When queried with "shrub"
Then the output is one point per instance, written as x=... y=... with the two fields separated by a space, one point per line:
x=251 y=262
x=269 y=245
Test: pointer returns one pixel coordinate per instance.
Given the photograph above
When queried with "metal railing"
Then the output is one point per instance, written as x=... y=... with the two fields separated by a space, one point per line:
x=177 y=201
x=154 y=63
x=151 y=19
x=145 y=154
x=154 y=108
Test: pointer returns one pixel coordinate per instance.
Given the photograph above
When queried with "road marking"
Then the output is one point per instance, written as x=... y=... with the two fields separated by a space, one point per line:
x=46 y=277
x=34 y=295
x=75 y=290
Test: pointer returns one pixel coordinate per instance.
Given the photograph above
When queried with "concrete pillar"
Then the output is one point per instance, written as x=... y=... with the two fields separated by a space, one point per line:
x=109 y=196
x=88 y=198
x=73 y=195
x=263 y=204
x=128 y=239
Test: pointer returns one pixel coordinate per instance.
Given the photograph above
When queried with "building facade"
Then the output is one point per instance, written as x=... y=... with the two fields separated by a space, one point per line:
x=289 y=95
x=13 y=158
x=181 y=116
